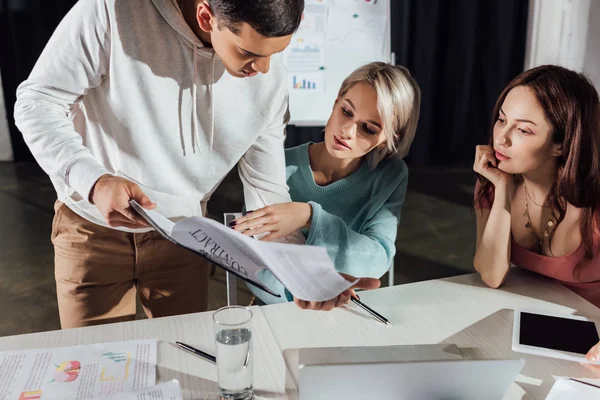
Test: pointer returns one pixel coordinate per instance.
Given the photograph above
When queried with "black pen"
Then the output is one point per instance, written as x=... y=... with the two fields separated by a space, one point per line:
x=585 y=383
x=197 y=352
x=370 y=310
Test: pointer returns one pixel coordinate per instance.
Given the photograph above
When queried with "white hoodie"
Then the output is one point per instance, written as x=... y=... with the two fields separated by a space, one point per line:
x=126 y=88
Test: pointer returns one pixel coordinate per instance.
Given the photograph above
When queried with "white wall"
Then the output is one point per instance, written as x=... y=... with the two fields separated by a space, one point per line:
x=565 y=32
x=557 y=33
x=591 y=64
x=5 y=147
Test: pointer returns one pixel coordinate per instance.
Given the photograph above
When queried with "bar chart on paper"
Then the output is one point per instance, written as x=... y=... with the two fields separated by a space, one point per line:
x=299 y=82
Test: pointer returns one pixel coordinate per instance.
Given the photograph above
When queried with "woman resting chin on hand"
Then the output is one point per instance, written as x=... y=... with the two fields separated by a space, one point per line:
x=537 y=198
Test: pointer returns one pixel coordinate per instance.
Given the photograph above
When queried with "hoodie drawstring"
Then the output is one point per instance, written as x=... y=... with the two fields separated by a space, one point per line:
x=212 y=101
x=195 y=137
x=195 y=134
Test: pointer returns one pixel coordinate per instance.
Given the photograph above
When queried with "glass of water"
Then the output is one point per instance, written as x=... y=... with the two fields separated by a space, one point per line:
x=235 y=364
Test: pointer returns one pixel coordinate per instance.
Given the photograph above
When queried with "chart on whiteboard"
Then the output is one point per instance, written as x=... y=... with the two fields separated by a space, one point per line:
x=332 y=35
x=356 y=24
x=334 y=38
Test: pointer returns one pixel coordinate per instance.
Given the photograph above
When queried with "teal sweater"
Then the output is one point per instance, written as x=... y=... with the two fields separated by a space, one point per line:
x=355 y=219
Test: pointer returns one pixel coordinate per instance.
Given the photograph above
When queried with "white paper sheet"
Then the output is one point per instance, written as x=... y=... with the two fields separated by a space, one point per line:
x=306 y=271
x=305 y=62
x=305 y=54
x=313 y=19
x=568 y=389
x=164 y=391
x=78 y=372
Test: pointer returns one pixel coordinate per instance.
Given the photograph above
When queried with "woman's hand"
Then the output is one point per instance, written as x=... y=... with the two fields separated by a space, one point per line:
x=343 y=298
x=486 y=165
x=594 y=354
x=278 y=219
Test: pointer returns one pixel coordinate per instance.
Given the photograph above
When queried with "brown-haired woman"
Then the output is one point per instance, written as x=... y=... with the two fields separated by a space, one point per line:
x=537 y=197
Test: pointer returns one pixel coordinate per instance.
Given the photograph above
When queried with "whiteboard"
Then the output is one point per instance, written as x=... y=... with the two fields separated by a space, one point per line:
x=334 y=38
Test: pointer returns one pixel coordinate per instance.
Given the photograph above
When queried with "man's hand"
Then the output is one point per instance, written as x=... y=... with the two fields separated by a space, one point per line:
x=111 y=194
x=343 y=298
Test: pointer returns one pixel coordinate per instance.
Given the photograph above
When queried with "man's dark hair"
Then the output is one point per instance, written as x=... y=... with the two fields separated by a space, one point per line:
x=270 y=18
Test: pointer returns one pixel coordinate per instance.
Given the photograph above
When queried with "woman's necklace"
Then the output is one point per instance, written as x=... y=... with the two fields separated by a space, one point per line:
x=539 y=238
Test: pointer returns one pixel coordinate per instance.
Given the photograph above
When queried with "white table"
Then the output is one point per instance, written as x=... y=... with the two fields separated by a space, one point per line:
x=459 y=310
x=456 y=310
x=198 y=378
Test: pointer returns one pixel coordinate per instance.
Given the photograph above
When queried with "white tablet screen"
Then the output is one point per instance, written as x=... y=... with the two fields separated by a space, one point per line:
x=558 y=333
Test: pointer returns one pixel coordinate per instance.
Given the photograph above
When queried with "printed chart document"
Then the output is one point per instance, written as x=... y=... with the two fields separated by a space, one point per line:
x=78 y=372
x=306 y=271
x=164 y=391
x=305 y=56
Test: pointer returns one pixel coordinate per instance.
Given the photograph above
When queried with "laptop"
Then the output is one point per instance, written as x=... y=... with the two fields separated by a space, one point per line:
x=401 y=372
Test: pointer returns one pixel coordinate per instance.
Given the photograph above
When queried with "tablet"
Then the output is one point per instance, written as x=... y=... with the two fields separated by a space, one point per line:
x=566 y=337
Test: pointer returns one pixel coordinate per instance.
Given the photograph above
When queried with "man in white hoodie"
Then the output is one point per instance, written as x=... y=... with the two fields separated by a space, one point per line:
x=152 y=100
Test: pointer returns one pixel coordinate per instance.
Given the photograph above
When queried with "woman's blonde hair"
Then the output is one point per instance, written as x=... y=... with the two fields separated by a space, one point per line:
x=398 y=103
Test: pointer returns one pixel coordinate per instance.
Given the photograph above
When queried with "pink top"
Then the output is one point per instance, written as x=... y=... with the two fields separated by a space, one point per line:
x=587 y=285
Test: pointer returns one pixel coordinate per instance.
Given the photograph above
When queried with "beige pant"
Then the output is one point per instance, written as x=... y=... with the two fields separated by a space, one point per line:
x=98 y=271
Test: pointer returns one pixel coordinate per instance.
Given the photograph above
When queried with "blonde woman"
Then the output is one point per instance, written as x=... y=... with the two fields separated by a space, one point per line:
x=347 y=191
